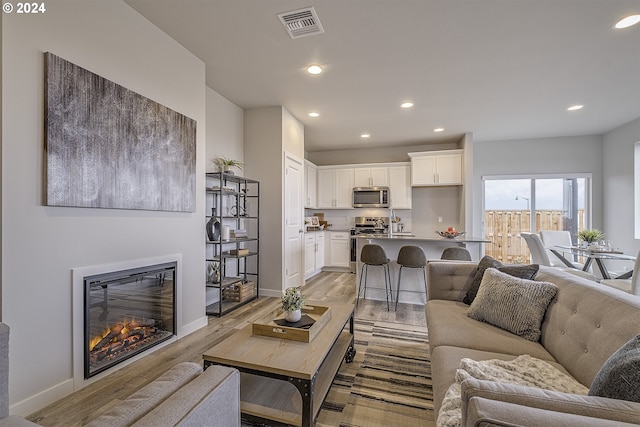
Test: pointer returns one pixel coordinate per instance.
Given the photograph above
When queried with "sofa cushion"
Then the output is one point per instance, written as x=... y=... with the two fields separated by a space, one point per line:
x=527 y=271
x=567 y=403
x=494 y=413
x=212 y=399
x=448 y=324
x=445 y=360
x=619 y=377
x=586 y=322
x=517 y=305
x=148 y=397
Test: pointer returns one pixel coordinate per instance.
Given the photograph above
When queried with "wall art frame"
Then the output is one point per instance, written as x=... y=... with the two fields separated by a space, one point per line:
x=107 y=146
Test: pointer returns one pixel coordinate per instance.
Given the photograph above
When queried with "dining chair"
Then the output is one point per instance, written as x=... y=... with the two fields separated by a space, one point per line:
x=539 y=256
x=627 y=285
x=536 y=248
x=557 y=238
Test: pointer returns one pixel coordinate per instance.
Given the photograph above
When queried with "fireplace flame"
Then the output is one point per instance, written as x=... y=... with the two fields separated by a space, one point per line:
x=125 y=330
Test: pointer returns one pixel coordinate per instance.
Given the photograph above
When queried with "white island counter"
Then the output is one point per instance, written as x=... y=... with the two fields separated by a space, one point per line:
x=412 y=288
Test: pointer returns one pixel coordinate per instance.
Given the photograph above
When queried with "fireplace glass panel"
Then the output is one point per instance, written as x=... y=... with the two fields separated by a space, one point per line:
x=127 y=312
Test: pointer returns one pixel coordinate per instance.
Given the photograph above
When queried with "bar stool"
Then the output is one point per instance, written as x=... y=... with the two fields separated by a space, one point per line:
x=456 y=253
x=374 y=255
x=411 y=257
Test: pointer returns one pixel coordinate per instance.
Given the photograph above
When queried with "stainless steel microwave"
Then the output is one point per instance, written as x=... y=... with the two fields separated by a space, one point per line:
x=371 y=197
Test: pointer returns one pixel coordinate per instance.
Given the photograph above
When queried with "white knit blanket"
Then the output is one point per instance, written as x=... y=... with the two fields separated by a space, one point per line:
x=524 y=370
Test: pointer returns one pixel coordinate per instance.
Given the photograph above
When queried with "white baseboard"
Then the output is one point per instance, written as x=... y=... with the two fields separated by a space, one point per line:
x=193 y=326
x=42 y=399
x=270 y=293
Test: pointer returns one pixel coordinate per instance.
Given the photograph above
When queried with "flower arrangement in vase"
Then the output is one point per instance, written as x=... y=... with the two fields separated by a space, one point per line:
x=292 y=303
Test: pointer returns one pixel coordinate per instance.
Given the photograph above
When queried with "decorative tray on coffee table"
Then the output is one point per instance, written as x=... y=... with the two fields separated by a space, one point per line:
x=267 y=326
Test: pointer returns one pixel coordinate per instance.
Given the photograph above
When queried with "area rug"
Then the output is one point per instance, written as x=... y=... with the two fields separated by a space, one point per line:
x=388 y=383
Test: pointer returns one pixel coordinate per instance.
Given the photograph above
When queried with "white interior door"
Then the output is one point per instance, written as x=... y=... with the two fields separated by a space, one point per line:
x=293 y=221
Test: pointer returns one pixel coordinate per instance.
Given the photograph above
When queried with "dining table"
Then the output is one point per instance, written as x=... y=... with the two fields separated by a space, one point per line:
x=592 y=254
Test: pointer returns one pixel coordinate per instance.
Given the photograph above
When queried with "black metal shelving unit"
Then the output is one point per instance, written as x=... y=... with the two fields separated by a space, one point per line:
x=236 y=201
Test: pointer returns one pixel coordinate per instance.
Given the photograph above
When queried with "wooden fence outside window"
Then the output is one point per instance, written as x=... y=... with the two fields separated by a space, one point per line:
x=503 y=229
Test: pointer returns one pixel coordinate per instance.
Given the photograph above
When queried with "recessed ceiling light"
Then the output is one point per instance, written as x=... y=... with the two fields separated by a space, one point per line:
x=627 y=21
x=365 y=135
x=314 y=114
x=438 y=130
x=314 y=69
x=406 y=104
x=575 y=107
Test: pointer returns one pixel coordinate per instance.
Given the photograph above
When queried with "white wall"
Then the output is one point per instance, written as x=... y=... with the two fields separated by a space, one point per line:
x=268 y=132
x=618 y=191
x=225 y=137
x=42 y=244
x=264 y=162
x=225 y=131
x=539 y=156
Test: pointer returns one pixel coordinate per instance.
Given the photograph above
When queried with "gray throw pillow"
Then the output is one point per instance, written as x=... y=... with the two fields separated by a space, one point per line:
x=485 y=262
x=619 y=377
x=522 y=271
x=514 y=304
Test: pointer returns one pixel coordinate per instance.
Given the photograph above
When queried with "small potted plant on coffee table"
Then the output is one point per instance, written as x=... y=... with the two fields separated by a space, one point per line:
x=292 y=302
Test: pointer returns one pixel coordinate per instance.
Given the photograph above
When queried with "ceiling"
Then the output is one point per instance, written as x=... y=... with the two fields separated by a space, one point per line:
x=501 y=69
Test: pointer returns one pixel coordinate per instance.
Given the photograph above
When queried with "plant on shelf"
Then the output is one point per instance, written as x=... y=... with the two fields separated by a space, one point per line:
x=213 y=272
x=590 y=236
x=225 y=164
x=292 y=303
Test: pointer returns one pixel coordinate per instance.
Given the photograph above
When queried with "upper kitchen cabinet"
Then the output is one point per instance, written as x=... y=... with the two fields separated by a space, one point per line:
x=311 y=185
x=335 y=188
x=436 y=168
x=400 y=186
x=371 y=177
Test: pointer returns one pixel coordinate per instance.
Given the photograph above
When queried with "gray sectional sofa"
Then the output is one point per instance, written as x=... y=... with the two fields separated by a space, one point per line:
x=182 y=396
x=584 y=324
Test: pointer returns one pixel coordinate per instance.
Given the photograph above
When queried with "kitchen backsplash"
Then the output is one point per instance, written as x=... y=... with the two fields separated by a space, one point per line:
x=344 y=219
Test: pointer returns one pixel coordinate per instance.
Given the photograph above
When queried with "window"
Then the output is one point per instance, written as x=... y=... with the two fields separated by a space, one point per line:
x=529 y=204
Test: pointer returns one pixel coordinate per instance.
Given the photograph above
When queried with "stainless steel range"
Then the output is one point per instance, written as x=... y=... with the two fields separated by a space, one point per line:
x=371 y=225
x=366 y=225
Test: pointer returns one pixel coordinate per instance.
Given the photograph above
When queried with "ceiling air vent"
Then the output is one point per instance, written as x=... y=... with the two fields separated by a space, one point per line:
x=301 y=22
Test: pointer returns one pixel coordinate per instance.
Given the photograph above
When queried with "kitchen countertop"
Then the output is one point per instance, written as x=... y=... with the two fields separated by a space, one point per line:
x=404 y=236
x=331 y=229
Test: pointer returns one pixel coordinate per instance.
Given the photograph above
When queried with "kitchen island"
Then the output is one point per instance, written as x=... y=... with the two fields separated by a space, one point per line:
x=412 y=288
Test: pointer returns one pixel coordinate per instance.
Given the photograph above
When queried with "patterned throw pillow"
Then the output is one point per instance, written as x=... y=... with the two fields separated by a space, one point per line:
x=517 y=305
x=619 y=377
x=522 y=271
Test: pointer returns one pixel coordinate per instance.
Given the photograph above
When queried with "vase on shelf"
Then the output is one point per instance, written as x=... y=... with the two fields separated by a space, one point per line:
x=293 y=316
x=213 y=227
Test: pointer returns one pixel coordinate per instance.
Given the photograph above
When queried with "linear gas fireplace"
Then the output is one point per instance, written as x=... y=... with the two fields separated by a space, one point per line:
x=126 y=312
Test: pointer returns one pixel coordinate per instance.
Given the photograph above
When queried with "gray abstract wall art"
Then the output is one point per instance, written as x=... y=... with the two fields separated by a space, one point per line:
x=109 y=147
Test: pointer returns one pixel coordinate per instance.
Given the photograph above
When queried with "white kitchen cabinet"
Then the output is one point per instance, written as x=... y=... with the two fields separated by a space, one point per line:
x=371 y=177
x=311 y=185
x=436 y=168
x=400 y=186
x=319 y=250
x=338 y=249
x=335 y=188
x=313 y=253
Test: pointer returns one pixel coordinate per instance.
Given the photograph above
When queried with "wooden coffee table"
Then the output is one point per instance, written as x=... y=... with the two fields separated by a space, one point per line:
x=287 y=381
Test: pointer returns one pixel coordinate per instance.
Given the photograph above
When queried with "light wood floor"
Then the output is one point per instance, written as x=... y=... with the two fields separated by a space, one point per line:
x=83 y=405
